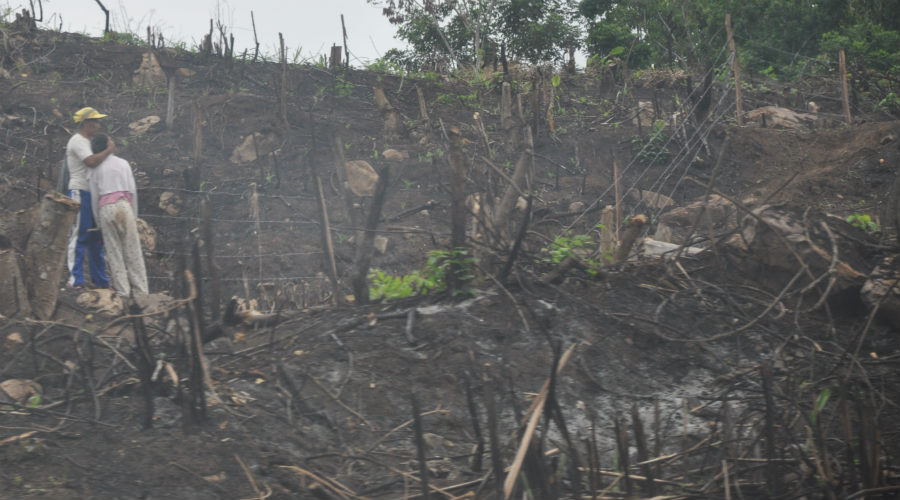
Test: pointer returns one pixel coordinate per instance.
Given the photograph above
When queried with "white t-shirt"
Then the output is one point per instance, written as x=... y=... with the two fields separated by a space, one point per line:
x=112 y=175
x=78 y=148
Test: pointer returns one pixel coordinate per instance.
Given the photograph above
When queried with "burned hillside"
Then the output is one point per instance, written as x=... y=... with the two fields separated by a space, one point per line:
x=371 y=285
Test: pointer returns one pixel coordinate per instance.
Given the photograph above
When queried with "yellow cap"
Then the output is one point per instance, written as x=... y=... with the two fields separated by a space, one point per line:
x=87 y=114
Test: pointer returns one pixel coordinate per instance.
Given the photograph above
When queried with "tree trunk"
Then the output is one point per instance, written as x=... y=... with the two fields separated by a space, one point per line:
x=507 y=121
x=522 y=180
x=45 y=252
x=354 y=210
x=365 y=246
x=629 y=237
x=457 y=202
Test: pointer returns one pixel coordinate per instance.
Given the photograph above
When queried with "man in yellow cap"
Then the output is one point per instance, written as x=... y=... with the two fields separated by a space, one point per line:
x=79 y=159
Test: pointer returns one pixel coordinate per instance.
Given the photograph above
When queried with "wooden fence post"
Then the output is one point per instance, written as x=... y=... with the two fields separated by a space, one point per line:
x=283 y=91
x=739 y=107
x=617 y=183
x=170 y=102
x=215 y=300
x=845 y=92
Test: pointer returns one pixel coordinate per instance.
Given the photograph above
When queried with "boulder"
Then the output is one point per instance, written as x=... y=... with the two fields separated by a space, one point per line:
x=147 y=235
x=103 y=301
x=141 y=126
x=717 y=216
x=782 y=117
x=170 y=203
x=773 y=241
x=882 y=290
x=361 y=177
x=19 y=390
x=394 y=155
x=651 y=199
x=254 y=145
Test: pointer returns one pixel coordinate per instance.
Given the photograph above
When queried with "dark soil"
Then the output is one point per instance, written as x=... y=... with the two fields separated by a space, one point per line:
x=698 y=353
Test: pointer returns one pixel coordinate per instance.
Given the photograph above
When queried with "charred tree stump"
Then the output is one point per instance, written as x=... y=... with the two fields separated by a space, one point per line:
x=457 y=204
x=520 y=237
x=494 y=435
x=196 y=363
x=773 y=476
x=393 y=124
x=423 y=108
x=507 y=121
x=45 y=252
x=215 y=293
x=521 y=182
x=144 y=363
x=629 y=237
x=13 y=293
x=643 y=450
x=478 y=456
x=622 y=447
x=420 y=446
x=365 y=246
x=354 y=210
x=608 y=234
x=335 y=60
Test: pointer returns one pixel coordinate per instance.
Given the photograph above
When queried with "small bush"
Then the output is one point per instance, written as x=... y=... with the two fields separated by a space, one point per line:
x=864 y=222
x=433 y=278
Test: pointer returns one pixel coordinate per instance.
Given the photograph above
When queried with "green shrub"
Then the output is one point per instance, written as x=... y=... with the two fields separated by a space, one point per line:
x=567 y=245
x=864 y=222
x=433 y=278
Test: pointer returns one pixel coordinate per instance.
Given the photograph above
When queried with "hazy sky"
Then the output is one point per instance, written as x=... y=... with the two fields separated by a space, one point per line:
x=310 y=25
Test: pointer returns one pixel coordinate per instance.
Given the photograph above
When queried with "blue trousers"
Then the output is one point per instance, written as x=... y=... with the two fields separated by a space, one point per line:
x=83 y=240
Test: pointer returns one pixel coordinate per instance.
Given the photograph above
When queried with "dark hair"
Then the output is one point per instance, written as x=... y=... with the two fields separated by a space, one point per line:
x=99 y=143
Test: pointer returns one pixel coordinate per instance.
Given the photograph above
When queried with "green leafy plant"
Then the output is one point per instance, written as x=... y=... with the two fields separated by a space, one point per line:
x=890 y=103
x=34 y=401
x=864 y=222
x=447 y=99
x=430 y=279
x=389 y=287
x=567 y=245
x=342 y=87
x=652 y=151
